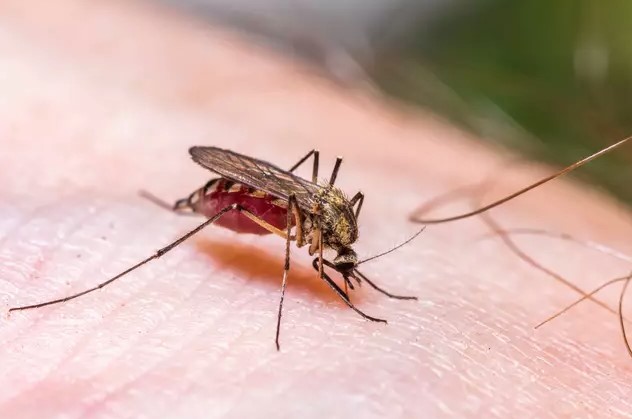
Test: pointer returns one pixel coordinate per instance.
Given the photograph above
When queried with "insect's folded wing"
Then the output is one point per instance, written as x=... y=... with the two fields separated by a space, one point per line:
x=256 y=173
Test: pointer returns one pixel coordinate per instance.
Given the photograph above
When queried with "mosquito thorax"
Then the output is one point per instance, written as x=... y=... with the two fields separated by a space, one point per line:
x=339 y=224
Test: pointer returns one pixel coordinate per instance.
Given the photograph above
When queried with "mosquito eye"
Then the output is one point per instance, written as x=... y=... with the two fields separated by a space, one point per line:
x=346 y=260
x=345 y=266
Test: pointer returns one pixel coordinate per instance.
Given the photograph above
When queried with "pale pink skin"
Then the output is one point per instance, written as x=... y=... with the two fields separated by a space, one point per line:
x=102 y=98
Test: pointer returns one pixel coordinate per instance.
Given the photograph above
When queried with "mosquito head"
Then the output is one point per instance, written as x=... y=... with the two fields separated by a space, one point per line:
x=346 y=261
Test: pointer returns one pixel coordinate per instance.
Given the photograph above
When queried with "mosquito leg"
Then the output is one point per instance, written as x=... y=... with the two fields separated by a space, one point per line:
x=184 y=206
x=179 y=207
x=334 y=173
x=315 y=167
x=359 y=199
x=388 y=294
x=298 y=223
x=286 y=269
x=348 y=285
x=316 y=155
x=343 y=296
x=303 y=160
x=321 y=248
x=159 y=253
x=156 y=255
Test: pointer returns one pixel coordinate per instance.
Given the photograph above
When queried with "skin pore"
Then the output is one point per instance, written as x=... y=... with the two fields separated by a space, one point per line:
x=101 y=101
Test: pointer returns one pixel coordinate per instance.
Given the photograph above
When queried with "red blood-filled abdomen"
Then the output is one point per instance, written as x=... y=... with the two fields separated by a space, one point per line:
x=261 y=205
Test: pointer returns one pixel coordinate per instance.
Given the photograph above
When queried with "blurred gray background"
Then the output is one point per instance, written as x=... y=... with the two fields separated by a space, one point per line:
x=550 y=79
x=343 y=37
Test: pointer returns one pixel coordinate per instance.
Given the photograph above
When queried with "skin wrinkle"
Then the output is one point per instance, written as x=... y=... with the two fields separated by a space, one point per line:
x=47 y=315
x=287 y=389
x=3 y=252
x=79 y=345
x=236 y=398
x=278 y=391
x=477 y=192
x=186 y=298
x=204 y=331
x=177 y=353
x=486 y=369
x=53 y=247
x=565 y=391
x=243 y=373
x=562 y=236
x=29 y=218
x=75 y=228
x=311 y=371
x=12 y=229
x=202 y=372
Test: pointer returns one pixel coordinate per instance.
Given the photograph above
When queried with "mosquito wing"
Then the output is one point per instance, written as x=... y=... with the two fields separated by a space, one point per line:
x=256 y=173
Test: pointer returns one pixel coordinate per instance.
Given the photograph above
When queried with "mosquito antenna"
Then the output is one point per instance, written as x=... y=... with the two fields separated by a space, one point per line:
x=156 y=255
x=523 y=190
x=334 y=173
x=394 y=248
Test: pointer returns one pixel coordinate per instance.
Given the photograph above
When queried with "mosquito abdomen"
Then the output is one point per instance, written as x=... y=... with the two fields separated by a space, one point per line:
x=225 y=193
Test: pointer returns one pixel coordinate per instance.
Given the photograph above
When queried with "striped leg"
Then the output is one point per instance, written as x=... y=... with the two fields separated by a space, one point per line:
x=159 y=253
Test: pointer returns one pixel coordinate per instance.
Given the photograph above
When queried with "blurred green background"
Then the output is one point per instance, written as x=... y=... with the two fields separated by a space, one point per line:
x=551 y=79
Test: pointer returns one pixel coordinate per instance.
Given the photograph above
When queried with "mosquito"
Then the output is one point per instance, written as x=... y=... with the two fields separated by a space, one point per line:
x=256 y=197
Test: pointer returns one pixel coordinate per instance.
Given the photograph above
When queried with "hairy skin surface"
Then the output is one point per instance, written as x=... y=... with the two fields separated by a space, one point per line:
x=102 y=98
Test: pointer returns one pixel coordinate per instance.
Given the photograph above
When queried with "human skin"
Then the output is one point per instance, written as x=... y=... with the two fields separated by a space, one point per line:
x=101 y=99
